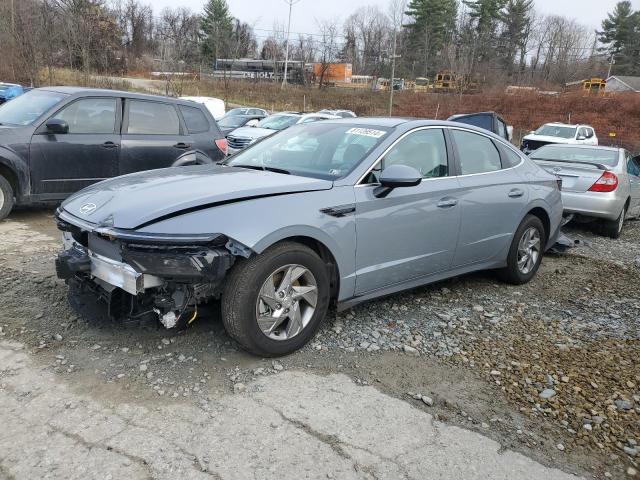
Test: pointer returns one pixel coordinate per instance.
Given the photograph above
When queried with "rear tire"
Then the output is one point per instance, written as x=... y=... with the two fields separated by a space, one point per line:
x=6 y=197
x=522 y=266
x=613 y=228
x=242 y=302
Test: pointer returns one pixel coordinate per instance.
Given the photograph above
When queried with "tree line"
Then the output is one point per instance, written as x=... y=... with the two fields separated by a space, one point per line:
x=494 y=41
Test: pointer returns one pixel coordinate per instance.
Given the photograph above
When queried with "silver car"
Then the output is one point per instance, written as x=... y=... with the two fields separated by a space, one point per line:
x=335 y=212
x=601 y=183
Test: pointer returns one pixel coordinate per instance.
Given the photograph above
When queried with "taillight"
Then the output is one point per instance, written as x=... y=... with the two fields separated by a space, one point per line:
x=221 y=143
x=608 y=182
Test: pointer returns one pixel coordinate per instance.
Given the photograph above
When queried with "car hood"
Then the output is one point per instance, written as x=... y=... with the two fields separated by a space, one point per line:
x=252 y=132
x=545 y=138
x=140 y=199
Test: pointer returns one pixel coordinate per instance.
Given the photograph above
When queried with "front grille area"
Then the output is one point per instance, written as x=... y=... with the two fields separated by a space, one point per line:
x=534 y=144
x=238 y=143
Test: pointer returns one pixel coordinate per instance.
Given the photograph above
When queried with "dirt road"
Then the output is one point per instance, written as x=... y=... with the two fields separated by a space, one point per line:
x=447 y=379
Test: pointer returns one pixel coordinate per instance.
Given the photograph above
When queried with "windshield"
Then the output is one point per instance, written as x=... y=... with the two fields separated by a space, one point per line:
x=570 y=154
x=232 y=121
x=278 y=122
x=319 y=150
x=557 y=131
x=4 y=87
x=27 y=108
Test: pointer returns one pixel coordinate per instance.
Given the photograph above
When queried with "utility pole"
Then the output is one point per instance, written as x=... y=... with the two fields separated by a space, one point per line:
x=396 y=20
x=612 y=62
x=286 y=58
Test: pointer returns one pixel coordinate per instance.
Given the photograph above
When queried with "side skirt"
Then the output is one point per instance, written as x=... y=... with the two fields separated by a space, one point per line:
x=415 y=283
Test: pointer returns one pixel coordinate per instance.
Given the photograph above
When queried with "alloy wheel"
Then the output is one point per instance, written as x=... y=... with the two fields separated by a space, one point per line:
x=529 y=249
x=286 y=302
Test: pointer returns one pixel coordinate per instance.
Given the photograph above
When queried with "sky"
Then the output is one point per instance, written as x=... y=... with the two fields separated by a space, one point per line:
x=262 y=14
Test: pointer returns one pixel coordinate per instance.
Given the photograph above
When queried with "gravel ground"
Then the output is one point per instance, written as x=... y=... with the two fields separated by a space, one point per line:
x=549 y=369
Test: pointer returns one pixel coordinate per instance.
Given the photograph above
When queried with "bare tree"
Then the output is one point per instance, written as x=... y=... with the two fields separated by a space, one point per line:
x=329 y=47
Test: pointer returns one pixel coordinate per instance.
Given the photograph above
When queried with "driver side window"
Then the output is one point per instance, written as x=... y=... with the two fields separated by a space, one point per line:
x=424 y=150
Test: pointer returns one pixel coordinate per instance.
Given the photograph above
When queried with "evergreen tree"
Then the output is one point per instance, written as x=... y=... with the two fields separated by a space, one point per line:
x=487 y=15
x=216 y=30
x=620 y=36
x=516 y=27
x=433 y=24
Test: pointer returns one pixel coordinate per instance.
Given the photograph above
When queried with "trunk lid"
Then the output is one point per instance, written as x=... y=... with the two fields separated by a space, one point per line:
x=576 y=177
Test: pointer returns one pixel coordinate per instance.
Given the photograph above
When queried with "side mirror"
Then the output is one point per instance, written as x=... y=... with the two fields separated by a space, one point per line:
x=581 y=137
x=57 y=126
x=252 y=123
x=397 y=176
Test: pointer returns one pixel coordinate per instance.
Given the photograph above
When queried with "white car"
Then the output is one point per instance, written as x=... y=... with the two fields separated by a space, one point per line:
x=215 y=106
x=242 y=137
x=560 y=133
x=339 y=113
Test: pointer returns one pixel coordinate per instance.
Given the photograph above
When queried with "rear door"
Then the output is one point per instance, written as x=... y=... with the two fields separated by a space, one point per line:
x=152 y=136
x=492 y=199
x=65 y=163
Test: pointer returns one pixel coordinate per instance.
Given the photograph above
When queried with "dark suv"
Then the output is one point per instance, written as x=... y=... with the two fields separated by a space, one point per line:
x=57 y=140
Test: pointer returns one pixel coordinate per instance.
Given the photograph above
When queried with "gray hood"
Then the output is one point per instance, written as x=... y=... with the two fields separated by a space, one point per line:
x=131 y=201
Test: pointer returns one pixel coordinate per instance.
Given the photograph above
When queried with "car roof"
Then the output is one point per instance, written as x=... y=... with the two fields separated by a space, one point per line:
x=79 y=91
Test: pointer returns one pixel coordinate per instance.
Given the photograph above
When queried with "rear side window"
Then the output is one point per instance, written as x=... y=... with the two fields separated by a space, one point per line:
x=511 y=158
x=477 y=153
x=194 y=119
x=152 y=118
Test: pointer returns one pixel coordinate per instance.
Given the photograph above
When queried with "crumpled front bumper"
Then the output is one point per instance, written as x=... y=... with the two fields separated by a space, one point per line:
x=77 y=260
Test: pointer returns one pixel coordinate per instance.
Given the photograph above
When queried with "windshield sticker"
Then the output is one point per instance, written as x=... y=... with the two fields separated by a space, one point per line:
x=367 y=132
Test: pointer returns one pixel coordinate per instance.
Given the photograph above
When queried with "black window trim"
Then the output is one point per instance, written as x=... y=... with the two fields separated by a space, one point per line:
x=42 y=128
x=125 y=120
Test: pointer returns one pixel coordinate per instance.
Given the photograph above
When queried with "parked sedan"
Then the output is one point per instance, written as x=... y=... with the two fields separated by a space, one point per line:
x=243 y=137
x=600 y=183
x=330 y=212
x=57 y=140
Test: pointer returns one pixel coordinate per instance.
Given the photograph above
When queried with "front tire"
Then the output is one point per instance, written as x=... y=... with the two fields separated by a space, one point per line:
x=6 y=197
x=613 y=228
x=525 y=254
x=274 y=303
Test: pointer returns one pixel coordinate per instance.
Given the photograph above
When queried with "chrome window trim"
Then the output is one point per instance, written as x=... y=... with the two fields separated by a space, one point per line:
x=441 y=127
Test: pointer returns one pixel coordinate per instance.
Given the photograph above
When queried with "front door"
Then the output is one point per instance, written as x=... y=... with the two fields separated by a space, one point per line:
x=152 y=136
x=413 y=231
x=65 y=163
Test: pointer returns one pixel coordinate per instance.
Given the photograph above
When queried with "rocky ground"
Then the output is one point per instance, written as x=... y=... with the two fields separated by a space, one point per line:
x=550 y=369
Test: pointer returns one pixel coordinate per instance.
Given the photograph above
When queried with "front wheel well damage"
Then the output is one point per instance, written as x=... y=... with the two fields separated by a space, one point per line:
x=11 y=177
x=327 y=257
x=542 y=214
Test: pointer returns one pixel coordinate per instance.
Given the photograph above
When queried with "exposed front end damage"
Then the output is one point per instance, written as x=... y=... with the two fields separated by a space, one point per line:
x=142 y=275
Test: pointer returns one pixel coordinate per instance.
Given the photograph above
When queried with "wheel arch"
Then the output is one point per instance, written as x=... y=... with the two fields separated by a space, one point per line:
x=544 y=217
x=193 y=157
x=15 y=175
x=312 y=240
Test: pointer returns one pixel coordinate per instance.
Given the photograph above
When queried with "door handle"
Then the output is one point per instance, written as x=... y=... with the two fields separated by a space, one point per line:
x=182 y=145
x=109 y=145
x=516 y=193
x=447 y=203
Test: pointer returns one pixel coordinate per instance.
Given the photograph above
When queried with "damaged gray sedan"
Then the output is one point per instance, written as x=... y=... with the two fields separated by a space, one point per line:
x=335 y=212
